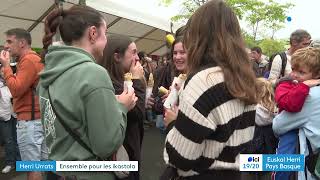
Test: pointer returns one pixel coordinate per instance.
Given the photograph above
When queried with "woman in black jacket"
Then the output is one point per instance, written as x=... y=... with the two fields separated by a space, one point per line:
x=120 y=57
x=164 y=75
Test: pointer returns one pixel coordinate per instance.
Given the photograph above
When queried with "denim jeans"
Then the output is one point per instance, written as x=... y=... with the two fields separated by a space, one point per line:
x=160 y=123
x=149 y=115
x=31 y=140
x=8 y=133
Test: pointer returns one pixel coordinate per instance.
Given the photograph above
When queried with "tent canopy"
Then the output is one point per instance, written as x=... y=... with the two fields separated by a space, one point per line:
x=147 y=31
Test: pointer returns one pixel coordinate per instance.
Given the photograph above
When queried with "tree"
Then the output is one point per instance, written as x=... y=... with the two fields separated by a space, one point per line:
x=261 y=14
x=189 y=7
x=271 y=15
x=271 y=46
x=241 y=7
x=250 y=42
x=257 y=13
x=196 y=2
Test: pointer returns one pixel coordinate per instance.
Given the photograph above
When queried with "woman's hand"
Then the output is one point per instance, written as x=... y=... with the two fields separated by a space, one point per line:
x=128 y=99
x=164 y=97
x=137 y=70
x=150 y=102
x=170 y=115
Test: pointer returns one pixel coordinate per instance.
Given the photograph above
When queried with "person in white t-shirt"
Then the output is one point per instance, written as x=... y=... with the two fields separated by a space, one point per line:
x=8 y=133
x=298 y=39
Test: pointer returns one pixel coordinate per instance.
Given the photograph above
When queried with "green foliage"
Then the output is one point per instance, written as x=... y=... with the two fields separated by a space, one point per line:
x=249 y=40
x=271 y=46
x=266 y=14
x=240 y=7
x=82 y=2
x=257 y=13
x=37 y=50
x=165 y=2
x=180 y=17
x=189 y=7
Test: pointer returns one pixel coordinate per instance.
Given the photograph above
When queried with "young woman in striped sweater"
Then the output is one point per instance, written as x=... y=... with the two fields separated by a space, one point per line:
x=216 y=112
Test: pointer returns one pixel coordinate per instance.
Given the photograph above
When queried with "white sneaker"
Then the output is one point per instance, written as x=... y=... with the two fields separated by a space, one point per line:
x=7 y=169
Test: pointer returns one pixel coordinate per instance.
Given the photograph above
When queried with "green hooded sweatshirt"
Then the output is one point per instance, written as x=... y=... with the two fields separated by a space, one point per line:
x=83 y=96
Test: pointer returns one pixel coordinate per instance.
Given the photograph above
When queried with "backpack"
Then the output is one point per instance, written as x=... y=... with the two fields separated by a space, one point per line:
x=283 y=64
x=264 y=141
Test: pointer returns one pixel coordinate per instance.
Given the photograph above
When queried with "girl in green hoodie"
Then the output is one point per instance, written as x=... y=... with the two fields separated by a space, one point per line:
x=81 y=92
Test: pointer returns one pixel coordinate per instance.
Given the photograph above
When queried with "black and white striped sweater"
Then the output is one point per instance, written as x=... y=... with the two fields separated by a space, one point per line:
x=212 y=127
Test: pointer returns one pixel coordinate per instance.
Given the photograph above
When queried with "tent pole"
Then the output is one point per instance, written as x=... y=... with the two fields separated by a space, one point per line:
x=163 y=45
x=113 y=22
x=145 y=35
x=41 y=18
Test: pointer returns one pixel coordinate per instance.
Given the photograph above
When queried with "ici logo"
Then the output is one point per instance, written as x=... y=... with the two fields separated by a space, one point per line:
x=253 y=159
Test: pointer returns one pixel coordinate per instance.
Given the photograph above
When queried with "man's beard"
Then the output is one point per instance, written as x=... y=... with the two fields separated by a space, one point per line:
x=15 y=58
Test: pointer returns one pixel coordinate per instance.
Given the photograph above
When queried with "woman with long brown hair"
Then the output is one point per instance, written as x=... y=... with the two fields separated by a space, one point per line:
x=164 y=77
x=120 y=57
x=216 y=112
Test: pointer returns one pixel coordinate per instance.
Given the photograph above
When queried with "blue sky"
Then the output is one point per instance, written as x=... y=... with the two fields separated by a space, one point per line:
x=304 y=14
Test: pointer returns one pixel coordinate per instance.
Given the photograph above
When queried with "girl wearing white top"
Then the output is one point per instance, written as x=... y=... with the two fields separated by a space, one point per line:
x=8 y=128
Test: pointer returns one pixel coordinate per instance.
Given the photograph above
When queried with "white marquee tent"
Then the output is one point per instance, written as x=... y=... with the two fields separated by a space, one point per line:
x=147 y=31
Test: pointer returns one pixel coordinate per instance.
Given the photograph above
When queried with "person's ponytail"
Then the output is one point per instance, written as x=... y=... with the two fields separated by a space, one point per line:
x=51 y=25
x=72 y=24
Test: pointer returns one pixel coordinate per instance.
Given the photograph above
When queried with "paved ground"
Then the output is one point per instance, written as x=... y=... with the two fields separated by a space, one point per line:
x=152 y=162
x=12 y=175
x=152 y=154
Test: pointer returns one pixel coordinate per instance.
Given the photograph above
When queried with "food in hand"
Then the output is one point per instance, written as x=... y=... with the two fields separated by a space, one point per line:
x=163 y=90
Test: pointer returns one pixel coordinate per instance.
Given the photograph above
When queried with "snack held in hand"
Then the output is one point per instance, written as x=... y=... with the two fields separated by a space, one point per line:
x=173 y=96
x=182 y=77
x=150 y=84
x=150 y=81
x=163 y=90
x=128 y=82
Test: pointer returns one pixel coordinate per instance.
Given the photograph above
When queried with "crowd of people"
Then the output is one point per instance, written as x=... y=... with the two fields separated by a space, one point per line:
x=85 y=99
